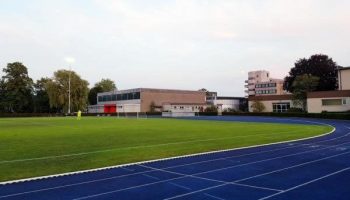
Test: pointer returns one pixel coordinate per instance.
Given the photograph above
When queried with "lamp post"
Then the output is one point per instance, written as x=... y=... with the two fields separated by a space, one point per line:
x=70 y=61
x=70 y=71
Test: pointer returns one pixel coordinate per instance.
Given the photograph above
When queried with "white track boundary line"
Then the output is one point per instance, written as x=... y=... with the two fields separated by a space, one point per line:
x=306 y=183
x=170 y=158
x=176 y=173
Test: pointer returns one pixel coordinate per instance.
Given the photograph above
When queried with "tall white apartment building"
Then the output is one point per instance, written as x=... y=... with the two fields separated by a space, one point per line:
x=260 y=83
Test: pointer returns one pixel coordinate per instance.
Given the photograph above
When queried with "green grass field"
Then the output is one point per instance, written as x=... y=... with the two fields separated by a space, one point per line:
x=32 y=147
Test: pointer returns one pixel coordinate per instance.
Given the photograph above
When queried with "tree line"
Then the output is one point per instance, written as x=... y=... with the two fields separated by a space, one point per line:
x=20 y=94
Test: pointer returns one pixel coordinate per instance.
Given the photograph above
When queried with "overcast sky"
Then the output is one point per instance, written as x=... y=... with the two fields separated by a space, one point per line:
x=185 y=44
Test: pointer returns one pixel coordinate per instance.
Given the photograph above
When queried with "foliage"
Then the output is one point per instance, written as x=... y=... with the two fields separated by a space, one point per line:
x=257 y=106
x=211 y=108
x=41 y=98
x=152 y=107
x=16 y=88
x=301 y=86
x=105 y=85
x=317 y=65
x=58 y=87
x=295 y=110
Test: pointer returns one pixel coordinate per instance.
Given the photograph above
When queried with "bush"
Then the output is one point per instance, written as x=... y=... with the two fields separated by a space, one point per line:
x=296 y=110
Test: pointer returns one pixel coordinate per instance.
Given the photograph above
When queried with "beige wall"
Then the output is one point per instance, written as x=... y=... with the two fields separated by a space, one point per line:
x=160 y=97
x=314 y=105
x=268 y=104
x=344 y=79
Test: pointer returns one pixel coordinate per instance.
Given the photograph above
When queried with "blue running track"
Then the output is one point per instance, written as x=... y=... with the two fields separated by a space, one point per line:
x=316 y=168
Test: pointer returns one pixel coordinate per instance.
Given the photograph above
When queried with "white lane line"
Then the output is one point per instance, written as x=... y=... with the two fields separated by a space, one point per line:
x=336 y=138
x=214 y=197
x=281 y=191
x=133 y=147
x=152 y=177
x=256 y=187
x=180 y=186
x=129 y=188
x=213 y=180
x=154 y=169
x=274 y=158
x=291 y=167
x=194 y=192
x=165 y=159
x=306 y=183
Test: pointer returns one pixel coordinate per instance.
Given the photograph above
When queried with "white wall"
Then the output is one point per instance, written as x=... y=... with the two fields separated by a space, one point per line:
x=227 y=103
x=268 y=104
x=314 y=105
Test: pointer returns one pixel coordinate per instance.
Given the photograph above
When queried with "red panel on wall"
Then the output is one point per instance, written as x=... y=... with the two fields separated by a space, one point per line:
x=110 y=108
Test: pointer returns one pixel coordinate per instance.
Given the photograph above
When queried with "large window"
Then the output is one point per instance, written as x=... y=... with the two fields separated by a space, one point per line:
x=280 y=107
x=331 y=102
x=119 y=97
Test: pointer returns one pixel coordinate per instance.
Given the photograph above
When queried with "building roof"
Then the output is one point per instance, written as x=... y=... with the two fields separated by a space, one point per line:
x=150 y=90
x=326 y=94
x=230 y=98
x=344 y=68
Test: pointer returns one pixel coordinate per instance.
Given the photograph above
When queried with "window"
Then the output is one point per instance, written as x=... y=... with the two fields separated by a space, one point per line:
x=346 y=101
x=100 y=98
x=114 y=97
x=331 y=102
x=280 y=107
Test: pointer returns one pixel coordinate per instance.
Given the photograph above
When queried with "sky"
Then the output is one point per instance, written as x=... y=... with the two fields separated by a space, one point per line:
x=174 y=44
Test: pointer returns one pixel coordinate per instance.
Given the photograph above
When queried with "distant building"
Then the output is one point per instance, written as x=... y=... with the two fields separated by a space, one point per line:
x=318 y=101
x=260 y=83
x=142 y=99
x=344 y=78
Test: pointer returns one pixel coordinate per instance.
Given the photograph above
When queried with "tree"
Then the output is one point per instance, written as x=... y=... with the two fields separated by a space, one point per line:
x=301 y=86
x=41 y=98
x=152 y=107
x=17 y=88
x=317 y=65
x=57 y=89
x=105 y=85
x=257 y=106
x=211 y=108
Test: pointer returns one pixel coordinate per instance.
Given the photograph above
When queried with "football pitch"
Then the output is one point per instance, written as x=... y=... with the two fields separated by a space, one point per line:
x=32 y=147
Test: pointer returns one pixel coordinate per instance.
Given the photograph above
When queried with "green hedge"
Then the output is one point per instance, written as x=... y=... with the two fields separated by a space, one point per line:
x=345 y=115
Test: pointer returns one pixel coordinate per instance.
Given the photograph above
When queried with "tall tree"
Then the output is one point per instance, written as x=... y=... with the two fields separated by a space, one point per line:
x=317 y=65
x=57 y=89
x=301 y=86
x=17 y=88
x=105 y=85
x=41 y=98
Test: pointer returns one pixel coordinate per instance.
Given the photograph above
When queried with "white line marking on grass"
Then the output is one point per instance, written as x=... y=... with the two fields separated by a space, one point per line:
x=134 y=147
x=214 y=197
x=163 y=159
x=306 y=183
